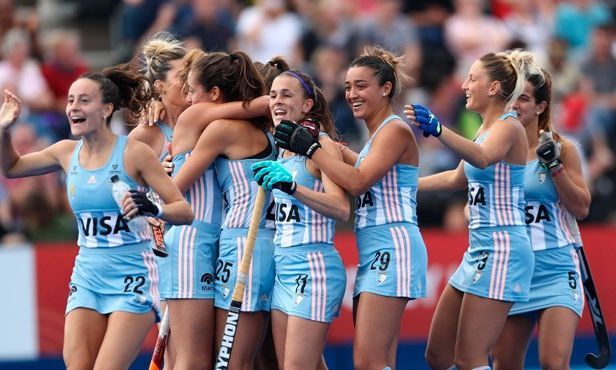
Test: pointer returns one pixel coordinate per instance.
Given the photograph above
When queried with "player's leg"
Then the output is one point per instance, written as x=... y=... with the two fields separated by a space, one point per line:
x=304 y=344
x=279 y=332
x=123 y=339
x=247 y=339
x=481 y=322
x=510 y=349
x=377 y=324
x=266 y=356
x=84 y=330
x=440 y=350
x=557 y=331
x=192 y=324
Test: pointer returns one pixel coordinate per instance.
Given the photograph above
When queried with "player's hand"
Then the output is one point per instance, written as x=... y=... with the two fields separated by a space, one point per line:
x=142 y=205
x=167 y=164
x=296 y=138
x=10 y=110
x=548 y=150
x=271 y=175
x=155 y=112
x=422 y=118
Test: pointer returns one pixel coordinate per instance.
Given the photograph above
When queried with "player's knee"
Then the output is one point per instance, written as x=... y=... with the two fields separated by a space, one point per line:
x=75 y=360
x=193 y=363
x=507 y=361
x=367 y=361
x=436 y=360
x=554 y=361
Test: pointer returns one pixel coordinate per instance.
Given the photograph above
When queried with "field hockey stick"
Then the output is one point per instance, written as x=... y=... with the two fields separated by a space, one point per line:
x=161 y=343
x=601 y=360
x=226 y=345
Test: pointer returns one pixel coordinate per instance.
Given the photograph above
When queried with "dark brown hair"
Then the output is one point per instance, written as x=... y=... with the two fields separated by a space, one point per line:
x=542 y=92
x=386 y=65
x=320 y=109
x=122 y=88
x=270 y=70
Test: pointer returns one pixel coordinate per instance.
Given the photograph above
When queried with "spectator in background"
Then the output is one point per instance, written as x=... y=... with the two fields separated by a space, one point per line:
x=139 y=19
x=19 y=191
x=20 y=73
x=209 y=27
x=389 y=28
x=575 y=20
x=470 y=34
x=63 y=65
x=530 y=26
x=329 y=22
x=329 y=64
x=599 y=86
x=28 y=21
x=268 y=29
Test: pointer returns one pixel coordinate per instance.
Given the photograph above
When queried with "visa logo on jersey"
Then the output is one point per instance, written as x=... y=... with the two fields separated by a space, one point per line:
x=364 y=200
x=105 y=225
x=287 y=212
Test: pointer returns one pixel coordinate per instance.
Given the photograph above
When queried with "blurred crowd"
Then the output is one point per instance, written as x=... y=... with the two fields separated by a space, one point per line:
x=574 y=39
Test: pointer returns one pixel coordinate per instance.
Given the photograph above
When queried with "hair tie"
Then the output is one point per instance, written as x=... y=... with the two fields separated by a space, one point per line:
x=302 y=82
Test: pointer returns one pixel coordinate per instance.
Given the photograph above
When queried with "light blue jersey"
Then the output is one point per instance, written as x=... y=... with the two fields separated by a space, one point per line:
x=240 y=190
x=99 y=218
x=547 y=221
x=296 y=223
x=204 y=195
x=167 y=134
x=392 y=198
x=495 y=193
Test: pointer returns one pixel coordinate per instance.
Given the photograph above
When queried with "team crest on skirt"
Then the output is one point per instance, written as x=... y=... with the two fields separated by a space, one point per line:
x=542 y=177
x=225 y=290
x=380 y=277
x=299 y=297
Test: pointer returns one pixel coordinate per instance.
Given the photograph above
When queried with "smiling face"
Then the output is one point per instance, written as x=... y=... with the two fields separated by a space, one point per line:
x=288 y=100
x=527 y=108
x=478 y=88
x=196 y=91
x=363 y=93
x=85 y=109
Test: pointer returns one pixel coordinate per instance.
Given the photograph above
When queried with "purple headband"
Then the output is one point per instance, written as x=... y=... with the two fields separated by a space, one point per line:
x=301 y=81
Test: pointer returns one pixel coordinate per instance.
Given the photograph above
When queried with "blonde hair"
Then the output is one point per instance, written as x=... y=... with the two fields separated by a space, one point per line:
x=157 y=53
x=511 y=68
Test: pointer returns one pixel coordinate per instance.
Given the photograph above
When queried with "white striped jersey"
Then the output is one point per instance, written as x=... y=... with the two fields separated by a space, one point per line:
x=391 y=199
x=167 y=134
x=204 y=195
x=240 y=190
x=99 y=218
x=547 y=221
x=296 y=223
x=495 y=193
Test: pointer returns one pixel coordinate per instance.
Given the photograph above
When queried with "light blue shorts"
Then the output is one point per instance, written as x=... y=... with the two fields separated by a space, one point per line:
x=556 y=282
x=498 y=264
x=260 y=280
x=115 y=279
x=188 y=271
x=392 y=261
x=310 y=282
